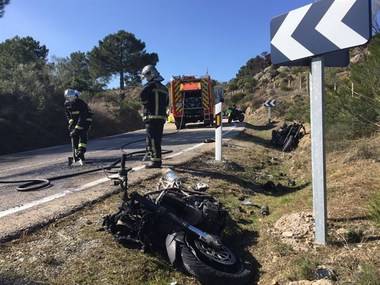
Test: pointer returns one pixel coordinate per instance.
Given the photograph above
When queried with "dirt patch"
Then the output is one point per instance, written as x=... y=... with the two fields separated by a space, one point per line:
x=296 y=230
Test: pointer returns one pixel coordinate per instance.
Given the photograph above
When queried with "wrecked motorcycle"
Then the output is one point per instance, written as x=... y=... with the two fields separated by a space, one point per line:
x=287 y=136
x=181 y=224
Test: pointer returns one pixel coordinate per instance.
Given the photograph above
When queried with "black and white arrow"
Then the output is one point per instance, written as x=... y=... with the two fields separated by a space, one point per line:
x=270 y=103
x=283 y=39
x=332 y=25
x=319 y=28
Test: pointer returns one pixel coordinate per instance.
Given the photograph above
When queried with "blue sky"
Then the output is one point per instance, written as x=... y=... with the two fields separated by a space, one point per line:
x=190 y=36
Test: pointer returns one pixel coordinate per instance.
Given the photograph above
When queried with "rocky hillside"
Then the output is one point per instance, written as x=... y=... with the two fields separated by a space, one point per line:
x=352 y=93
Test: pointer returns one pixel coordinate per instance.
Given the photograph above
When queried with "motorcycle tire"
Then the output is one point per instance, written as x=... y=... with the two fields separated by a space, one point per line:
x=212 y=267
x=289 y=144
x=229 y=119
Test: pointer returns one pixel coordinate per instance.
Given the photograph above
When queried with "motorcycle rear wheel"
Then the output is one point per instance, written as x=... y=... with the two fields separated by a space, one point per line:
x=213 y=266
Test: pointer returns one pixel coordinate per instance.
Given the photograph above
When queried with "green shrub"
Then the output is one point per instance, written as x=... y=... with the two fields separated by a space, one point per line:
x=131 y=103
x=374 y=209
x=298 y=110
x=237 y=97
x=354 y=236
x=304 y=269
x=368 y=276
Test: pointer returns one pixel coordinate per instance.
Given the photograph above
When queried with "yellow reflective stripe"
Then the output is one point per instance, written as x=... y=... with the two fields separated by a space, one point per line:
x=79 y=127
x=154 y=117
x=82 y=145
x=75 y=112
x=71 y=121
x=89 y=119
x=156 y=159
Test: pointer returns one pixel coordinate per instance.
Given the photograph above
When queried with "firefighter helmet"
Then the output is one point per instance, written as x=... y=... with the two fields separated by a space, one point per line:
x=71 y=94
x=150 y=73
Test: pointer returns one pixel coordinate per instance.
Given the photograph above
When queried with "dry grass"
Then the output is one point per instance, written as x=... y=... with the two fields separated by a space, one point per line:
x=364 y=149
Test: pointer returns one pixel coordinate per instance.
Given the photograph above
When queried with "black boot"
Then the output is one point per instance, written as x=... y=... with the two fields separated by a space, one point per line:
x=146 y=157
x=81 y=158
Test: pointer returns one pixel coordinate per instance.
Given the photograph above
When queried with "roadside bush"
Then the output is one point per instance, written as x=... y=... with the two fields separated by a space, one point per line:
x=354 y=236
x=368 y=148
x=132 y=103
x=298 y=109
x=110 y=119
x=374 y=209
x=304 y=269
x=368 y=276
x=237 y=97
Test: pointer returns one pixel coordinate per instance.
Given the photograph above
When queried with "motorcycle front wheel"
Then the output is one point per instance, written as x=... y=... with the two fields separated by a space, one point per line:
x=213 y=265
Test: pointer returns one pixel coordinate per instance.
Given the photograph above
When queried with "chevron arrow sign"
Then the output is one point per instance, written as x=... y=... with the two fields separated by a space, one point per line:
x=270 y=103
x=320 y=28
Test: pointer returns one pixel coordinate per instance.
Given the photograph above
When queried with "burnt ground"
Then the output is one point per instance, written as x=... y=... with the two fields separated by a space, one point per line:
x=279 y=246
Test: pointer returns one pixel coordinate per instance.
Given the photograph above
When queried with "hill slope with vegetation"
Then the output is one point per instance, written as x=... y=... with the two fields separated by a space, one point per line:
x=352 y=93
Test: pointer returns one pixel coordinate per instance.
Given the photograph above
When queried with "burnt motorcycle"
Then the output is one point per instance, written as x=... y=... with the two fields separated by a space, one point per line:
x=182 y=225
x=287 y=136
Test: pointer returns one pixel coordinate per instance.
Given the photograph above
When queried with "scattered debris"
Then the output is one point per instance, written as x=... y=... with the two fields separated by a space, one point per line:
x=323 y=272
x=201 y=187
x=246 y=203
x=264 y=210
x=232 y=166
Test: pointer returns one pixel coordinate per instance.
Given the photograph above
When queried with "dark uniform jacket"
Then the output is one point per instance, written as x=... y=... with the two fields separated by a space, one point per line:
x=78 y=113
x=155 y=99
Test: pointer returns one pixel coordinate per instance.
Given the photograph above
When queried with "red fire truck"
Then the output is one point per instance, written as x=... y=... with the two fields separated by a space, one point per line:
x=191 y=100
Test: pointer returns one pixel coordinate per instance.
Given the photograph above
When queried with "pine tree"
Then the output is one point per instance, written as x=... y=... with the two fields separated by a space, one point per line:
x=120 y=54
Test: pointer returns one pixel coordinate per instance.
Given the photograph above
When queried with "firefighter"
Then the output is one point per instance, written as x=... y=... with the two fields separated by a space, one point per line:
x=79 y=118
x=155 y=100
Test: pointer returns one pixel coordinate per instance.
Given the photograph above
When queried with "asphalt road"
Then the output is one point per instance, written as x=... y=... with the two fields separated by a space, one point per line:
x=49 y=162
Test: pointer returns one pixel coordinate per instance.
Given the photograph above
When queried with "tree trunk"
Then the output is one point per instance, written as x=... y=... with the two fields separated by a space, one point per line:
x=122 y=84
x=121 y=80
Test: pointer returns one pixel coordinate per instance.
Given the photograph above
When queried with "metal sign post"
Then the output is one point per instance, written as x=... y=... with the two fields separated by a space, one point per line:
x=320 y=34
x=219 y=98
x=318 y=149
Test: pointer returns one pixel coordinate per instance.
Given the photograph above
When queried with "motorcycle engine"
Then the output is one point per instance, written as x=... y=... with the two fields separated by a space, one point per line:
x=213 y=216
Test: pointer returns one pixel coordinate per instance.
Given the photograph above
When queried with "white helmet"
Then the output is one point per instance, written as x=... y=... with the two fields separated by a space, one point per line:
x=71 y=94
x=150 y=73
